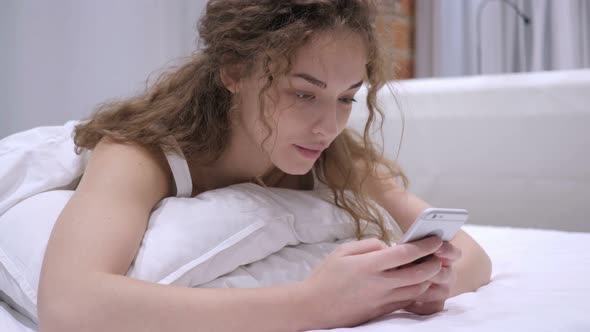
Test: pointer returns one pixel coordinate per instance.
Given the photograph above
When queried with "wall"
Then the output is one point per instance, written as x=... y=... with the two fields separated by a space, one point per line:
x=61 y=58
x=395 y=24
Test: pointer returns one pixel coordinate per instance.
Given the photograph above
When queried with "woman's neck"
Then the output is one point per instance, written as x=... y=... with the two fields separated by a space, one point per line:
x=221 y=175
x=242 y=161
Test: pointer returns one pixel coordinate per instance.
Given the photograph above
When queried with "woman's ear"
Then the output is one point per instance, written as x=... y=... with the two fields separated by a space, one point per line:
x=230 y=76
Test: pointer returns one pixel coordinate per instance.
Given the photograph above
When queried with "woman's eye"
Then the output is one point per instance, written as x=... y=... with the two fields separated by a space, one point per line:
x=304 y=96
x=348 y=100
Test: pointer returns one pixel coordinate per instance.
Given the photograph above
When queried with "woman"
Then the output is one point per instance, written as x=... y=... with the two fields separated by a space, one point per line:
x=267 y=99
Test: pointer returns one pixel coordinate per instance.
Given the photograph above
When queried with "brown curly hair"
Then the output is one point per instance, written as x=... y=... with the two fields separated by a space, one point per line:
x=191 y=104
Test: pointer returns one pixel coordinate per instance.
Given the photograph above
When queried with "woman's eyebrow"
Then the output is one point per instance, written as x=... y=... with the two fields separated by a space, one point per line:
x=320 y=83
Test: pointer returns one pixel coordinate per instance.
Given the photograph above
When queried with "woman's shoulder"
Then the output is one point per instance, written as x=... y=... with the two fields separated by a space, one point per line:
x=113 y=159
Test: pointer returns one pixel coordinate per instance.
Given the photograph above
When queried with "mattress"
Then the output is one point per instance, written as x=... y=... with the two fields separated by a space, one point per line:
x=539 y=282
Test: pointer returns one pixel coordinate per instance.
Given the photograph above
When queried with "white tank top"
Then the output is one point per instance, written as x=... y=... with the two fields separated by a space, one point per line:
x=180 y=173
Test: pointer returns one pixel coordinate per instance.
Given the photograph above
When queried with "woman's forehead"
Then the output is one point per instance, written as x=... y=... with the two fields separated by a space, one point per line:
x=332 y=55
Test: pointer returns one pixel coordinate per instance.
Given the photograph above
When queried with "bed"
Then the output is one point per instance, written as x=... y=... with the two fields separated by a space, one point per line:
x=539 y=283
x=512 y=149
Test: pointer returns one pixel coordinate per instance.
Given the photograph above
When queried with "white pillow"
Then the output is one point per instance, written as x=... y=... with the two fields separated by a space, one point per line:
x=27 y=157
x=288 y=265
x=188 y=242
x=268 y=218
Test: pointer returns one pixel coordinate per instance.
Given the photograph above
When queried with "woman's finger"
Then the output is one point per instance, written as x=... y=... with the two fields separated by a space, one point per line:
x=413 y=274
x=359 y=247
x=428 y=308
x=448 y=252
x=434 y=293
x=444 y=276
x=401 y=254
x=407 y=292
x=391 y=307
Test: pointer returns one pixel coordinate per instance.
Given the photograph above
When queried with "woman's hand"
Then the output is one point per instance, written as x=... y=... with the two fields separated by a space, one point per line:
x=433 y=300
x=360 y=280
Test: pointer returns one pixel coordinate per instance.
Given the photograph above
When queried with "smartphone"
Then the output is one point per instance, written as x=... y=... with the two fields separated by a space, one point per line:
x=444 y=223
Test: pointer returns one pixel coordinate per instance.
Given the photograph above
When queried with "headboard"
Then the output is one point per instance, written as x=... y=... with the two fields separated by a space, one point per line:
x=513 y=149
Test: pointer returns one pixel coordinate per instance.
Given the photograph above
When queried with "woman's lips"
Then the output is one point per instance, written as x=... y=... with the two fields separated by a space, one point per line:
x=308 y=153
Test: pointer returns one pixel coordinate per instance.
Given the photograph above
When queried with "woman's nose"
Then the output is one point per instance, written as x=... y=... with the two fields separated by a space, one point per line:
x=327 y=124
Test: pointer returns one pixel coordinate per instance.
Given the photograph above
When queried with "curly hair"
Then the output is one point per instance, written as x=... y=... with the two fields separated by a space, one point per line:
x=190 y=103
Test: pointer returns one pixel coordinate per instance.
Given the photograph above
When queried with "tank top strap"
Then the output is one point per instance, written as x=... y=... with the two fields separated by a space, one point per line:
x=180 y=172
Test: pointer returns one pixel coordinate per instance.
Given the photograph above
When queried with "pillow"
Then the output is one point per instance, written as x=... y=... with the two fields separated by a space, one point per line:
x=24 y=232
x=27 y=157
x=305 y=217
x=188 y=241
x=288 y=265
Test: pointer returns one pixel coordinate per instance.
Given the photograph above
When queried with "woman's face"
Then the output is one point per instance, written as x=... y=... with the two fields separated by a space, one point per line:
x=312 y=102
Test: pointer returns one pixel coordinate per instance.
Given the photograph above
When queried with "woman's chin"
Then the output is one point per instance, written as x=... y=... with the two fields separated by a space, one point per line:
x=295 y=168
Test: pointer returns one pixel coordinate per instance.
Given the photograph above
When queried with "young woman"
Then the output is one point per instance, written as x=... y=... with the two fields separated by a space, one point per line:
x=266 y=99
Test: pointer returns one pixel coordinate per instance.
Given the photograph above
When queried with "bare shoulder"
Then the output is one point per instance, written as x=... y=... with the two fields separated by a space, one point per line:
x=126 y=166
x=101 y=227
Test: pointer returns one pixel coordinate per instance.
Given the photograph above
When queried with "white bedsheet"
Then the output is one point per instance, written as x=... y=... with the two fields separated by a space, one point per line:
x=12 y=321
x=539 y=282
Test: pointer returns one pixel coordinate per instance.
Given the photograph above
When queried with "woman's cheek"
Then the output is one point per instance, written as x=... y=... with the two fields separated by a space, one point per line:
x=343 y=118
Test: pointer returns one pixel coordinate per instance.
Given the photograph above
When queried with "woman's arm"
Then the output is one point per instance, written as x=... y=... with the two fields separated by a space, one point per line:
x=474 y=266
x=83 y=286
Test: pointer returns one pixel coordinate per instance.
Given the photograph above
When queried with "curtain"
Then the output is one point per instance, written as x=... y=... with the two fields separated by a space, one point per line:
x=449 y=36
x=61 y=58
